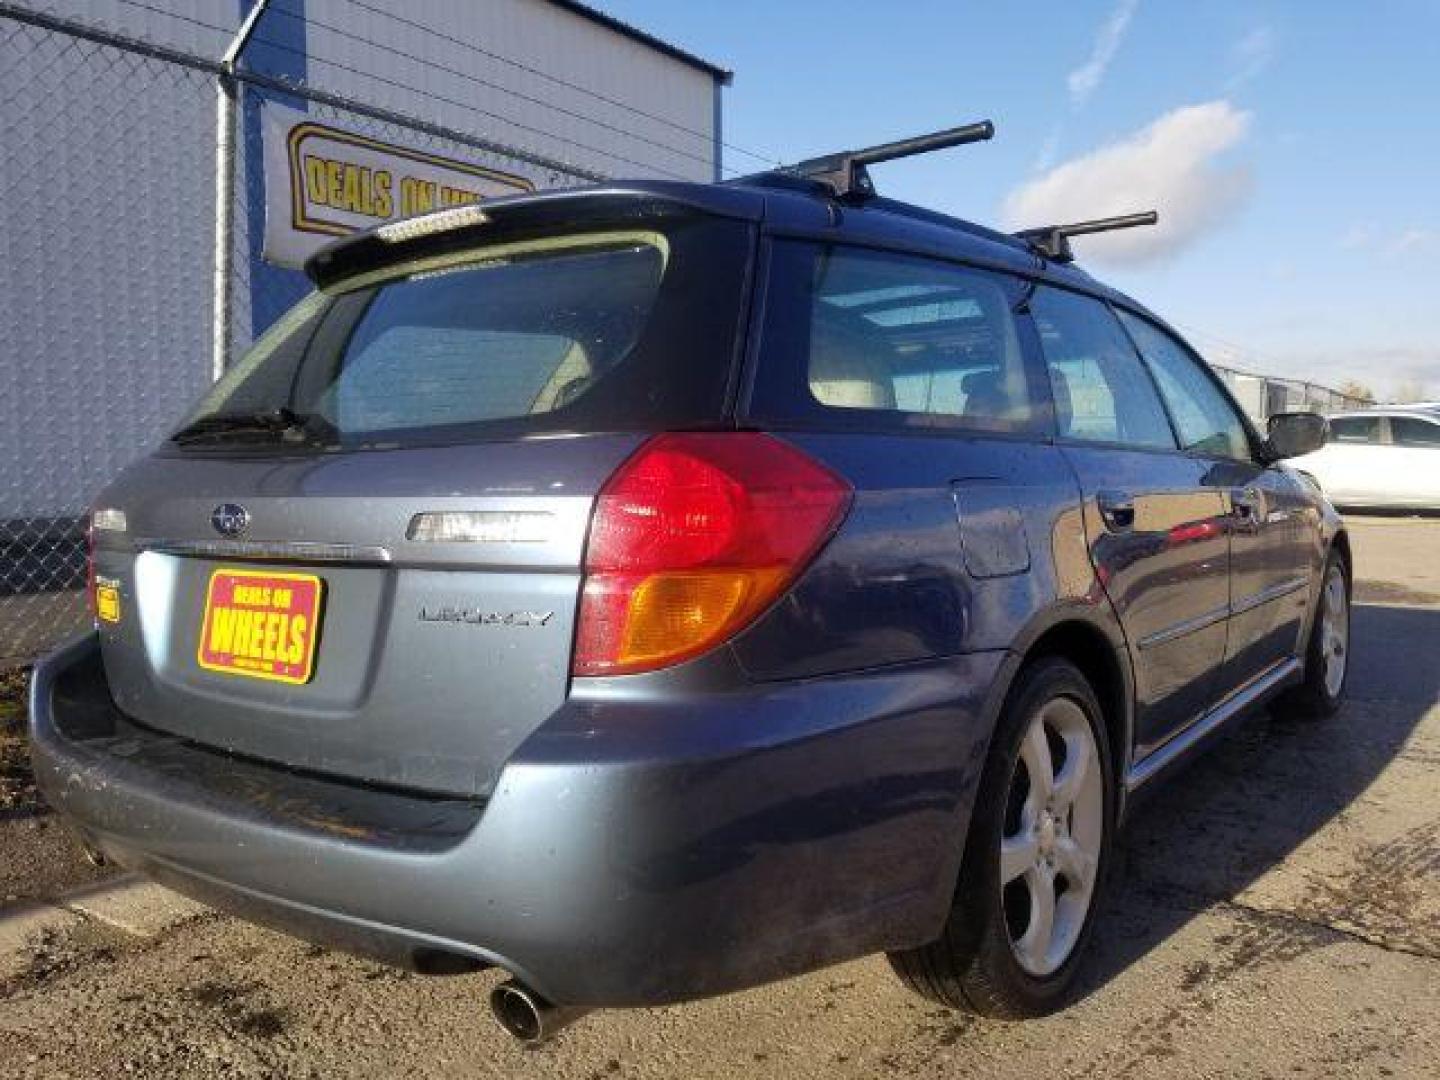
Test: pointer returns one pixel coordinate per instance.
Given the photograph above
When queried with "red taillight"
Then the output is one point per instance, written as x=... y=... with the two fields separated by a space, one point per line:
x=694 y=536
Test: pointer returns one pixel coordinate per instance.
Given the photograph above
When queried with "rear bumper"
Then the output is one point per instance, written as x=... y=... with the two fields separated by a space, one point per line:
x=632 y=853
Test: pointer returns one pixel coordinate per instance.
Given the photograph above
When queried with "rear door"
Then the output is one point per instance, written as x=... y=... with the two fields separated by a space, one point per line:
x=362 y=556
x=1273 y=531
x=1415 y=447
x=1155 y=516
x=405 y=618
x=1352 y=467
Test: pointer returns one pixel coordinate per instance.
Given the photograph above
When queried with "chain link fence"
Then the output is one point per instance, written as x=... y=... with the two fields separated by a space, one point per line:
x=1262 y=396
x=91 y=344
x=108 y=272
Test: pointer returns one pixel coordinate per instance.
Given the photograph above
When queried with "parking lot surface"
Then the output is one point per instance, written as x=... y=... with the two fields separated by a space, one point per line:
x=1274 y=912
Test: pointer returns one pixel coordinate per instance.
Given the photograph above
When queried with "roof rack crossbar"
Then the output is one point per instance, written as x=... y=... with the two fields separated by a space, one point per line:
x=846 y=174
x=1053 y=241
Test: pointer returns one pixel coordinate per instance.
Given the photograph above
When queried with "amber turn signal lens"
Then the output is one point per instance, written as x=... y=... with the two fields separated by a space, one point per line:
x=684 y=612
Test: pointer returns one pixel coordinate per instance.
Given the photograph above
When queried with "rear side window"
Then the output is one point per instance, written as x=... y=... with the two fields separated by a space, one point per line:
x=630 y=329
x=1407 y=431
x=1355 y=429
x=1205 y=420
x=878 y=338
x=1102 y=391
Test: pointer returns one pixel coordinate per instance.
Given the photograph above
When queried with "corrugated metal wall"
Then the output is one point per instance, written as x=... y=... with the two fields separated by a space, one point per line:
x=106 y=231
x=566 y=87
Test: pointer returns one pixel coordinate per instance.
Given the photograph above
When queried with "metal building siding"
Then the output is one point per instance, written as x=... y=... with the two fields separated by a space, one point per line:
x=106 y=234
x=187 y=26
x=675 y=139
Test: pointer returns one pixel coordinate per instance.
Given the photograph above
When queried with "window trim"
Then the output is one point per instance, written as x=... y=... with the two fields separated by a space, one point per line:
x=742 y=247
x=814 y=415
x=1038 y=344
x=366 y=289
x=1252 y=436
x=1047 y=432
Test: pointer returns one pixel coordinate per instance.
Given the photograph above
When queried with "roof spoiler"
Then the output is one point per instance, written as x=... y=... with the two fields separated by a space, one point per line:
x=845 y=172
x=1053 y=241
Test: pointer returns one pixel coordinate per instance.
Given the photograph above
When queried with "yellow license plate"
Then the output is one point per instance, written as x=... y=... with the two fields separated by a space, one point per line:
x=107 y=600
x=264 y=625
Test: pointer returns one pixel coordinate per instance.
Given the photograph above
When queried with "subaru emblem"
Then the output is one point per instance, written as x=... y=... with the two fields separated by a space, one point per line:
x=230 y=519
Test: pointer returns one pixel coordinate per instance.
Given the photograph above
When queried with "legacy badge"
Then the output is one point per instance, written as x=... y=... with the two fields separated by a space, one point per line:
x=479 y=617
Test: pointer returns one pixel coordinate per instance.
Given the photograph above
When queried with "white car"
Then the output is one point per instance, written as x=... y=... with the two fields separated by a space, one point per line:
x=1379 y=458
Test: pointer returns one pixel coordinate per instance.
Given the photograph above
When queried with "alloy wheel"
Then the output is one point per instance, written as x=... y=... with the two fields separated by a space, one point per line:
x=1335 y=631
x=1054 y=828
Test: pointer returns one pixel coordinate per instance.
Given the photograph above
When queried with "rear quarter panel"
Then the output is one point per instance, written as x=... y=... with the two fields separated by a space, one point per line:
x=954 y=544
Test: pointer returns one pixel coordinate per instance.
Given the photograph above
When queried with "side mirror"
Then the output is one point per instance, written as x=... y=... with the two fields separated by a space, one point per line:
x=1295 y=433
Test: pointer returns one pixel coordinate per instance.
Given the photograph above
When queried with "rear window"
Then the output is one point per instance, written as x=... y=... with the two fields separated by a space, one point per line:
x=613 y=330
x=876 y=338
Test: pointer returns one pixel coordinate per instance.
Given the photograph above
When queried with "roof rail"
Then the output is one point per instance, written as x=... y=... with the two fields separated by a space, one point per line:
x=1053 y=241
x=845 y=172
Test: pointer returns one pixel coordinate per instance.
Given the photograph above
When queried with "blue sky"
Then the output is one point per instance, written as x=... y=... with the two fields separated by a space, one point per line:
x=1293 y=149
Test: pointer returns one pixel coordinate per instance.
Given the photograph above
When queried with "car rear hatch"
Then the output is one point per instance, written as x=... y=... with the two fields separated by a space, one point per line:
x=362 y=555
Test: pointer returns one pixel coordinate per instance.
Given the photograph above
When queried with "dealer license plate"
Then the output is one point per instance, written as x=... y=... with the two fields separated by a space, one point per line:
x=264 y=625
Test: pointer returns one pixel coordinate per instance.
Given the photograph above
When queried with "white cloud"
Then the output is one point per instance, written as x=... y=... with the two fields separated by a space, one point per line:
x=1250 y=56
x=1086 y=79
x=1414 y=240
x=1168 y=166
x=1411 y=241
x=1048 y=149
x=1281 y=270
x=1357 y=237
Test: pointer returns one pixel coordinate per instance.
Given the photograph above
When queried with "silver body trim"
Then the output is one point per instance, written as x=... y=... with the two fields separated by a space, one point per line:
x=1210 y=618
x=1189 y=626
x=270 y=550
x=1248 y=695
x=1264 y=596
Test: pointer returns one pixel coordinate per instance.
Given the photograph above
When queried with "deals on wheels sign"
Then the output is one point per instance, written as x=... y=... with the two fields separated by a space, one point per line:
x=322 y=181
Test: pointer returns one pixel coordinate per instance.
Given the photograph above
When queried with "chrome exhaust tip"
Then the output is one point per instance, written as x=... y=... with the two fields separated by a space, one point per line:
x=527 y=1016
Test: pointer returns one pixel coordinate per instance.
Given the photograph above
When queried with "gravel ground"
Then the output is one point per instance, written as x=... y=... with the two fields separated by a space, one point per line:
x=38 y=856
x=1275 y=913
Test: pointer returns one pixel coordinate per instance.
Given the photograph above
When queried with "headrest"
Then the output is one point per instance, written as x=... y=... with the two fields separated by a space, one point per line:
x=847 y=370
x=985 y=394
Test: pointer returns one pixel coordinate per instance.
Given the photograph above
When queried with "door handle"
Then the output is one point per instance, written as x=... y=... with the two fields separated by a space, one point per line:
x=1117 y=510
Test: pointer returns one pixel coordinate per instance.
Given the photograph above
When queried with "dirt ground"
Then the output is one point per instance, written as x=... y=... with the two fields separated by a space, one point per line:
x=16 y=790
x=1275 y=912
x=38 y=856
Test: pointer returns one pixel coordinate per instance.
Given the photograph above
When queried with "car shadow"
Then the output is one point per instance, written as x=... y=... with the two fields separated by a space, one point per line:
x=1262 y=790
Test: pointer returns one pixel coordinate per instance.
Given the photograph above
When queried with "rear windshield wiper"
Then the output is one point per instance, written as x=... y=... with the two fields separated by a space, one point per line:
x=282 y=423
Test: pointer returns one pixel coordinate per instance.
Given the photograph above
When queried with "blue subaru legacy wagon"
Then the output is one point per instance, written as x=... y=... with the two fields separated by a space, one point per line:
x=656 y=589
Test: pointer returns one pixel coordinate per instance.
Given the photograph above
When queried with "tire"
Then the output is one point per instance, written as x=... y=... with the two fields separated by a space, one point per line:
x=1321 y=692
x=986 y=960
